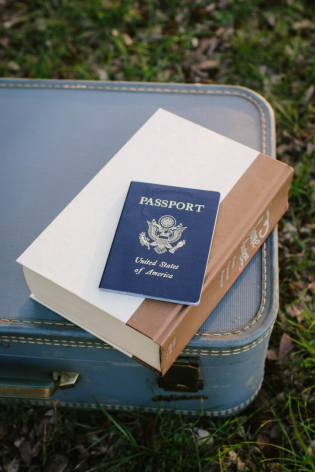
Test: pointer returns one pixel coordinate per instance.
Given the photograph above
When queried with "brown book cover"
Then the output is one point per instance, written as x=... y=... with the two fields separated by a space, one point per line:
x=64 y=265
x=246 y=217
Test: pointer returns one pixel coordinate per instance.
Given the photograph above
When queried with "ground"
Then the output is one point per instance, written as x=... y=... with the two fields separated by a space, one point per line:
x=269 y=47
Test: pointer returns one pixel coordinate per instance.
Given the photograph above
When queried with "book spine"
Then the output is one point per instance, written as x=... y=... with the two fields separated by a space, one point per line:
x=222 y=277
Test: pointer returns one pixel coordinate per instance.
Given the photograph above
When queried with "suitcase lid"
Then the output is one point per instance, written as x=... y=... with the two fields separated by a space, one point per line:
x=56 y=135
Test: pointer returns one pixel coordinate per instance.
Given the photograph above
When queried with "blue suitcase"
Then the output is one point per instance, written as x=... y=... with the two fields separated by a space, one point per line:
x=55 y=136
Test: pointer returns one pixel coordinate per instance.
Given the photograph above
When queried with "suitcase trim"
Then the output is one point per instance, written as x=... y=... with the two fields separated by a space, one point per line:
x=94 y=406
x=262 y=303
x=202 y=352
x=159 y=88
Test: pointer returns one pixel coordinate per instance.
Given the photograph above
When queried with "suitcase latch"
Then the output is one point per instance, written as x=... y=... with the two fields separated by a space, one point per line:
x=38 y=388
x=183 y=376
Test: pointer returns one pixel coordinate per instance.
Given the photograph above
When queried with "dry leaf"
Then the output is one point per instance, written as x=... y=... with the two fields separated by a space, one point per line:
x=271 y=19
x=276 y=78
x=241 y=432
x=305 y=24
x=210 y=8
x=102 y=74
x=26 y=452
x=262 y=440
x=12 y=21
x=69 y=425
x=84 y=454
x=308 y=95
x=291 y=227
x=296 y=310
x=3 y=432
x=209 y=64
x=262 y=399
x=275 y=432
x=285 y=348
x=272 y=354
x=311 y=449
x=235 y=458
x=214 y=466
x=58 y=463
x=41 y=24
x=256 y=450
x=310 y=148
x=263 y=69
x=13 y=466
x=311 y=287
x=202 y=75
x=36 y=448
x=13 y=65
x=4 y=41
x=289 y=50
x=195 y=42
x=92 y=438
x=203 y=437
x=127 y=40
x=275 y=467
x=18 y=442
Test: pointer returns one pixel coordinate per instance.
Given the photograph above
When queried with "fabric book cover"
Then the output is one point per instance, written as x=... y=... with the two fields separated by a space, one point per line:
x=162 y=243
x=64 y=265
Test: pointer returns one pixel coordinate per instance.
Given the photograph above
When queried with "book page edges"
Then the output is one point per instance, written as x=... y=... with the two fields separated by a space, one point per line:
x=33 y=297
x=263 y=188
x=93 y=320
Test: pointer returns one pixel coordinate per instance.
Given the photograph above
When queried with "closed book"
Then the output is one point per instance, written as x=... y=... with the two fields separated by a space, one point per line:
x=162 y=243
x=64 y=265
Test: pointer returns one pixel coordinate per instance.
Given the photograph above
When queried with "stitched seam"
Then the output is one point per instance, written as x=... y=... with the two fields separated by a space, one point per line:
x=5 y=320
x=262 y=303
x=163 y=90
x=229 y=411
x=155 y=90
x=248 y=325
x=53 y=342
x=201 y=352
x=230 y=352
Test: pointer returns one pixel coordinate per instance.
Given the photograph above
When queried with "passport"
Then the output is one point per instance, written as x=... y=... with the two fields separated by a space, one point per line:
x=162 y=243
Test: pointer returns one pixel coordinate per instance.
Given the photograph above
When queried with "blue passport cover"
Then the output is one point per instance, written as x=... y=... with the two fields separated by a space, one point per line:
x=162 y=243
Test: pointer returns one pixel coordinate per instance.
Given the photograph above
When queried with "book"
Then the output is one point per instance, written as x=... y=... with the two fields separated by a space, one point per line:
x=64 y=265
x=162 y=243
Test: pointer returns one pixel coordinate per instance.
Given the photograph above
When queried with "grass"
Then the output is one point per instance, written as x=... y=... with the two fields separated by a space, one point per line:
x=269 y=47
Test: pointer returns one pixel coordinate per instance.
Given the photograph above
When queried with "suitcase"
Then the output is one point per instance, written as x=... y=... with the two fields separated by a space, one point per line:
x=55 y=136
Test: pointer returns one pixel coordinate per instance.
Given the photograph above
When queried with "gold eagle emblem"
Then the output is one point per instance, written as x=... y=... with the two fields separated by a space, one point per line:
x=164 y=234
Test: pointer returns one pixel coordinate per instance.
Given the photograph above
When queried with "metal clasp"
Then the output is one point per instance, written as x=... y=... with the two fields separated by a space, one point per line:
x=183 y=376
x=38 y=388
